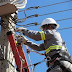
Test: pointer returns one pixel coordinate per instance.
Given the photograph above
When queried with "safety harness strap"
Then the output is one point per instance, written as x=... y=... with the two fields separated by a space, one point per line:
x=64 y=69
x=42 y=35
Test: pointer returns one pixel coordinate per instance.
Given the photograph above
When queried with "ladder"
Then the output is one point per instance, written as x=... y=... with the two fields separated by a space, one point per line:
x=18 y=52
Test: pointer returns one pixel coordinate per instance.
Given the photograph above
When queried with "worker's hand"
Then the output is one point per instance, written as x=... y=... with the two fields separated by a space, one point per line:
x=21 y=39
x=20 y=29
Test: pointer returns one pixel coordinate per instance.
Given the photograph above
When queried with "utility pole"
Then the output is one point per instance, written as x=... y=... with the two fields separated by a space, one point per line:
x=7 y=61
x=8 y=14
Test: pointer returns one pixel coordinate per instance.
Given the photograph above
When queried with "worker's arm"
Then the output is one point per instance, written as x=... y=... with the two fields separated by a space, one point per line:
x=36 y=35
x=35 y=46
x=32 y=34
x=24 y=40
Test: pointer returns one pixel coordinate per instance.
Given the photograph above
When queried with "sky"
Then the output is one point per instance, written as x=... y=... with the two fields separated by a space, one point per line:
x=58 y=12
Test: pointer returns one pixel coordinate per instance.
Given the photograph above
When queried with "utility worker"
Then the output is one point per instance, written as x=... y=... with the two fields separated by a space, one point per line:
x=57 y=55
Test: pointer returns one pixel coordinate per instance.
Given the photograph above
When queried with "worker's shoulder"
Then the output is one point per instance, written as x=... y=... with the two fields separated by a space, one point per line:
x=51 y=31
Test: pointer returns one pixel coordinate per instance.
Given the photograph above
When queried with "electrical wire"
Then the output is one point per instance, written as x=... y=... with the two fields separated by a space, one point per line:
x=37 y=52
x=36 y=15
x=56 y=3
x=23 y=19
x=33 y=24
x=36 y=7
x=64 y=19
x=44 y=60
x=65 y=28
x=43 y=15
x=56 y=12
x=30 y=24
x=26 y=17
x=24 y=25
x=37 y=63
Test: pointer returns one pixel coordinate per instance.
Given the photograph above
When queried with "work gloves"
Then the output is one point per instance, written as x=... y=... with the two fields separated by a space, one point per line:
x=20 y=29
x=21 y=39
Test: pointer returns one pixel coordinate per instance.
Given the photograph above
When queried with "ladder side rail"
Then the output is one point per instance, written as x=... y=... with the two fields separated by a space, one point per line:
x=14 y=50
x=22 y=54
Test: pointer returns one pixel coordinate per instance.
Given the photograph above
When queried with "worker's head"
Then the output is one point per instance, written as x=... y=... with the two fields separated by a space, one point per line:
x=49 y=23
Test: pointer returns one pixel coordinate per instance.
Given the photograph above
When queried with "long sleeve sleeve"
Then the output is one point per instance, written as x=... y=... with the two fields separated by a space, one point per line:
x=36 y=35
x=35 y=46
x=32 y=34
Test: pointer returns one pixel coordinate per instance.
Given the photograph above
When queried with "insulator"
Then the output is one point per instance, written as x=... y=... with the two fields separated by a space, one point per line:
x=36 y=15
x=37 y=7
x=36 y=23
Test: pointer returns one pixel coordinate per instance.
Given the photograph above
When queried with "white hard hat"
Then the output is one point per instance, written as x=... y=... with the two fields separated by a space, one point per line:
x=48 y=21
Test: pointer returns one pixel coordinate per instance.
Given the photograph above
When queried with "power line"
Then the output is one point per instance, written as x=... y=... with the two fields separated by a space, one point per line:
x=35 y=23
x=26 y=25
x=56 y=3
x=36 y=7
x=36 y=15
x=64 y=19
x=65 y=28
x=56 y=12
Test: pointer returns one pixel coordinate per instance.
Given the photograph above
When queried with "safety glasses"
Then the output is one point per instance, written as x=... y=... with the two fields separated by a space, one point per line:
x=44 y=26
